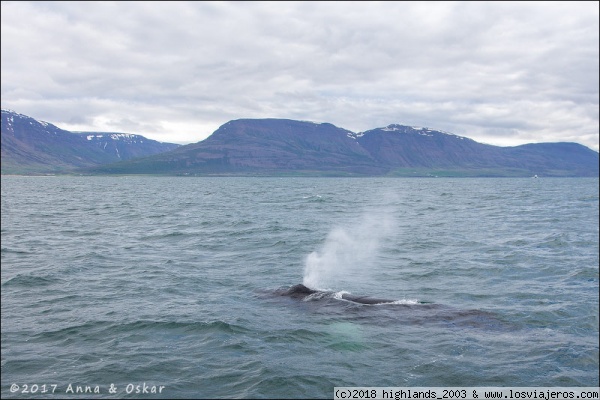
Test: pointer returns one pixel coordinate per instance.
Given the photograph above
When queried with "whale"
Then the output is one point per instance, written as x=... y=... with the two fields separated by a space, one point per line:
x=301 y=292
x=393 y=311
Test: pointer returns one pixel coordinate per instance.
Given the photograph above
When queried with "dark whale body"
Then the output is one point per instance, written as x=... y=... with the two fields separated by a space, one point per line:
x=301 y=291
x=420 y=312
x=391 y=311
x=365 y=299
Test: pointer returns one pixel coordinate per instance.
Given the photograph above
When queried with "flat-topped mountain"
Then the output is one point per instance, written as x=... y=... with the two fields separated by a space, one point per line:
x=32 y=146
x=263 y=147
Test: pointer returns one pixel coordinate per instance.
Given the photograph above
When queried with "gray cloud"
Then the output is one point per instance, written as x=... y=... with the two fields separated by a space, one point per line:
x=499 y=72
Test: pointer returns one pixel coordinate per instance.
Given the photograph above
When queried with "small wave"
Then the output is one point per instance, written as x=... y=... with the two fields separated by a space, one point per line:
x=95 y=329
x=317 y=296
x=279 y=243
x=168 y=235
x=588 y=198
x=410 y=302
x=338 y=295
x=294 y=335
x=585 y=273
x=555 y=240
x=6 y=250
x=315 y=198
x=242 y=222
x=213 y=326
x=29 y=281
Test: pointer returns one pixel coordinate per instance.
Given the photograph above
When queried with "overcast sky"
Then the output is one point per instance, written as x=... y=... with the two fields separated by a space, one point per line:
x=503 y=73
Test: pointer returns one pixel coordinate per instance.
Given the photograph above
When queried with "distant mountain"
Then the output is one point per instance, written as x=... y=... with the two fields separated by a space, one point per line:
x=288 y=147
x=404 y=149
x=282 y=147
x=262 y=147
x=125 y=146
x=399 y=146
x=30 y=146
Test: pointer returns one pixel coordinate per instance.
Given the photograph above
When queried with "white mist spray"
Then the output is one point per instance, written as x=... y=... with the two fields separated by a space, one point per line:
x=348 y=252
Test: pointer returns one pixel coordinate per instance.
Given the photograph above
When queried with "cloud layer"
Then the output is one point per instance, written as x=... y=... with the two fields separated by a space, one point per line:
x=503 y=73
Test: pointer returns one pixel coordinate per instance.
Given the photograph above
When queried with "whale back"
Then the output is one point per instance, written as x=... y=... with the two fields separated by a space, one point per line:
x=365 y=299
x=299 y=290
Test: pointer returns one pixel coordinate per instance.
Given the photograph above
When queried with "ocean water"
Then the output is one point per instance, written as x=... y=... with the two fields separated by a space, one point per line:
x=176 y=284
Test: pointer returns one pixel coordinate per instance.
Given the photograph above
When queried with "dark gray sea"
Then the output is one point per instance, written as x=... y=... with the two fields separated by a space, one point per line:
x=120 y=282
